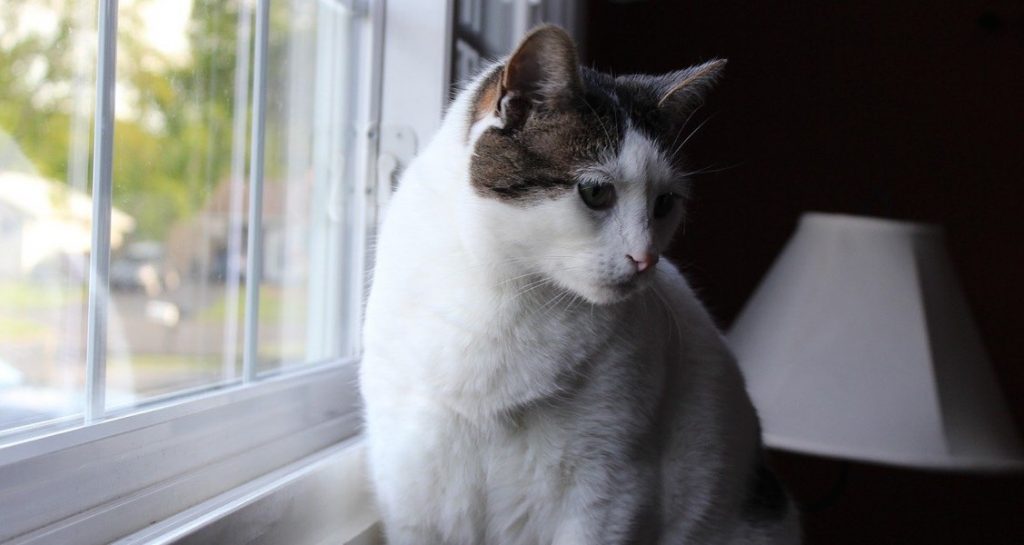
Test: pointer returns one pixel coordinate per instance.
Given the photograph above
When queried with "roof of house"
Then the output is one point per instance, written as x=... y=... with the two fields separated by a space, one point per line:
x=34 y=196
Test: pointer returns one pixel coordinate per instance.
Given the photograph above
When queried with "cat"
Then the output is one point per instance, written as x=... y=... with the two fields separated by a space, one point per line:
x=533 y=373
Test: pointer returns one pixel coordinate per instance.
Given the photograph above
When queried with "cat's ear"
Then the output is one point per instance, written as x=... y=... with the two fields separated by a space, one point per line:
x=543 y=72
x=681 y=91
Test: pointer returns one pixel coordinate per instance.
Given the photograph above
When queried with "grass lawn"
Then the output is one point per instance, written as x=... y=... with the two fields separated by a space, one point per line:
x=272 y=302
x=19 y=329
x=19 y=296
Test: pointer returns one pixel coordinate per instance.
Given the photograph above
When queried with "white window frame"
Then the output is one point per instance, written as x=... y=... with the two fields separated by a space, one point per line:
x=120 y=473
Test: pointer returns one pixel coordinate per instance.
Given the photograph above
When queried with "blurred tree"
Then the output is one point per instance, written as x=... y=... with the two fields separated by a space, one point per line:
x=172 y=139
x=33 y=62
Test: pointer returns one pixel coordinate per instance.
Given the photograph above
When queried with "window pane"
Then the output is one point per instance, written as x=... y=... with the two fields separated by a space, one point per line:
x=179 y=170
x=47 y=79
x=308 y=183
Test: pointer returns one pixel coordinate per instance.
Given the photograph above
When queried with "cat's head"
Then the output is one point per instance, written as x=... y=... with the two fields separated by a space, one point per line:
x=577 y=173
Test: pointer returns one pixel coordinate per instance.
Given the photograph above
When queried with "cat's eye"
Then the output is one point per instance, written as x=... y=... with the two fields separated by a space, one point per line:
x=663 y=204
x=597 y=195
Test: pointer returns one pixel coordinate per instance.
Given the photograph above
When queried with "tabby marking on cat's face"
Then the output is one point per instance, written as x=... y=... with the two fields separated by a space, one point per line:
x=582 y=169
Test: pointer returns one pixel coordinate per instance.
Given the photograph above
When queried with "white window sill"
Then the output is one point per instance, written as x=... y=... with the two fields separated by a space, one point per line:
x=99 y=483
x=323 y=498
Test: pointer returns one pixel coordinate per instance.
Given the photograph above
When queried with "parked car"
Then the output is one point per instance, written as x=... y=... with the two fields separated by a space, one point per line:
x=138 y=267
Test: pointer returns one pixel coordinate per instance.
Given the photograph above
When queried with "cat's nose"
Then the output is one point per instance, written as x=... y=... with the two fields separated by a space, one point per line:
x=643 y=260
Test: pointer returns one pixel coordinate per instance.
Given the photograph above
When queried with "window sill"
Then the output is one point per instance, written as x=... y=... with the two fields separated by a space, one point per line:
x=102 y=482
x=323 y=498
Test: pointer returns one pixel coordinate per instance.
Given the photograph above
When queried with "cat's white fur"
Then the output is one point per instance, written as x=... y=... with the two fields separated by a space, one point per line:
x=498 y=361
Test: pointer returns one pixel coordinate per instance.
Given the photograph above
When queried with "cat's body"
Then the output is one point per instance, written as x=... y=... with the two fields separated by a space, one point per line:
x=509 y=405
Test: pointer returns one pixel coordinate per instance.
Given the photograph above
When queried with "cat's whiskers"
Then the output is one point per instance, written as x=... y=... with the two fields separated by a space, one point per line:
x=678 y=332
x=514 y=278
x=543 y=275
x=533 y=273
x=531 y=286
x=527 y=258
x=683 y=127
x=692 y=133
x=575 y=302
x=710 y=169
x=497 y=264
x=553 y=303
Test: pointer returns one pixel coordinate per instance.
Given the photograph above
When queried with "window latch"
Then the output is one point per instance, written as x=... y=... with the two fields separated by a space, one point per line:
x=398 y=146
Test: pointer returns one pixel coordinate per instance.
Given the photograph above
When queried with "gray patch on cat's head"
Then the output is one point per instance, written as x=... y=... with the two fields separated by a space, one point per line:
x=558 y=118
x=661 y=106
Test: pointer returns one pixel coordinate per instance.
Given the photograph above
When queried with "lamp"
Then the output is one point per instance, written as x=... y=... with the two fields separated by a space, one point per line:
x=859 y=344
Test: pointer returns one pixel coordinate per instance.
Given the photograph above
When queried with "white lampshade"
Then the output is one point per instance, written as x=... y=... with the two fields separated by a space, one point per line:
x=859 y=344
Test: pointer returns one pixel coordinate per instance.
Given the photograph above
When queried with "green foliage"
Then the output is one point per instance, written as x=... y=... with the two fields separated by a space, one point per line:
x=39 y=126
x=172 y=139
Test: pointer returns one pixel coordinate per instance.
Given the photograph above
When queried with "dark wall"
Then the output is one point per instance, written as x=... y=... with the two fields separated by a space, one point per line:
x=910 y=110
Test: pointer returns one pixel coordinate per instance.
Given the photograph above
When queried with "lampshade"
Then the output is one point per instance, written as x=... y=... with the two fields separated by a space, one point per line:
x=859 y=344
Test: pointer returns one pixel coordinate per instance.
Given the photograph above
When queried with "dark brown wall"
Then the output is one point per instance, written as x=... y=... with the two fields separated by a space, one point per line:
x=911 y=110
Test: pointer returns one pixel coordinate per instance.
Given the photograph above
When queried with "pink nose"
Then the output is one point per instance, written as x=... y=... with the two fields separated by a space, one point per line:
x=643 y=261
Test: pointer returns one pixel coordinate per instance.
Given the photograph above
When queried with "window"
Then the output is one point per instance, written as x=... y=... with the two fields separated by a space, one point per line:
x=488 y=29
x=184 y=209
x=184 y=232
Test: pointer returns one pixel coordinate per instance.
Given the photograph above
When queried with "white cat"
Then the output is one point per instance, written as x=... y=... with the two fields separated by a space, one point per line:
x=532 y=373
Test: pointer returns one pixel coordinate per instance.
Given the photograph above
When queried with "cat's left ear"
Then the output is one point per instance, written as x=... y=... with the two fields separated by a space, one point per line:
x=681 y=91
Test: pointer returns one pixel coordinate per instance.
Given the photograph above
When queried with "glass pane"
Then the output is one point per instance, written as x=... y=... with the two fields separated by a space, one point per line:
x=177 y=271
x=308 y=182
x=47 y=80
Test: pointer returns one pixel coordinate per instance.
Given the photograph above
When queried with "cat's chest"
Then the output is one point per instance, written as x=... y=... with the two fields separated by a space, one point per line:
x=483 y=354
x=530 y=476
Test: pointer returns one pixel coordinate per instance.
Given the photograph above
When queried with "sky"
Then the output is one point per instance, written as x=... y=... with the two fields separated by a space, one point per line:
x=164 y=25
x=164 y=22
